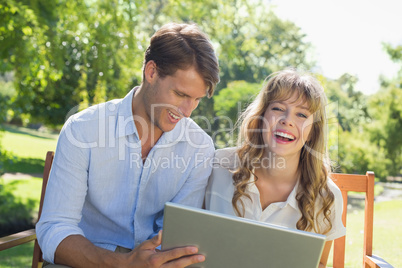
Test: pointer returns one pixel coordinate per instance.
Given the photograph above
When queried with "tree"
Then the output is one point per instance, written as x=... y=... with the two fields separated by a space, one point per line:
x=251 y=41
x=70 y=52
x=353 y=113
x=348 y=115
x=65 y=53
x=385 y=131
x=357 y=155
x=230 y=102
x=27 y=51
x=386 y=110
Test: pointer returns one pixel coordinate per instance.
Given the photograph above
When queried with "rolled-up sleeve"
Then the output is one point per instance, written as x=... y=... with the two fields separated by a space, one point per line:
x=66 y=191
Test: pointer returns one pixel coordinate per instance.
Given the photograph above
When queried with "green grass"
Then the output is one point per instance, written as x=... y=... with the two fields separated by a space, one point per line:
x=28 y=143
x=386 y=235
x=25 y=153
x=24 y=190
x=388 y=231
x=20 y=256
x=26 y=149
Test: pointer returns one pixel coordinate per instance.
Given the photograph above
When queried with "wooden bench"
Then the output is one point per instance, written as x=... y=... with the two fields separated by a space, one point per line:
x=346 y=182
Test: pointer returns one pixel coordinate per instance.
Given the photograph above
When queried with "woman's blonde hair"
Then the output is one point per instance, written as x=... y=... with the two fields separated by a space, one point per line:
x=313 y=164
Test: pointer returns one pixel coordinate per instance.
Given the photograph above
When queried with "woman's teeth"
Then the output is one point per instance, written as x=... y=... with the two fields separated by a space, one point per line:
x=284 y=135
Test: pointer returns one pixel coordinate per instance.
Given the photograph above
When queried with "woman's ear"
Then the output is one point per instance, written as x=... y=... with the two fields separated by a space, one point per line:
x=150 y=72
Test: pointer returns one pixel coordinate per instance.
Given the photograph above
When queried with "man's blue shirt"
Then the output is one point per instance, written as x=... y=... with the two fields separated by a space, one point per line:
x=99 y=186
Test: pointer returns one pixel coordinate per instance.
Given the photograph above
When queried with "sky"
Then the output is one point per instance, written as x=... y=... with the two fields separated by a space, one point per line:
x=347 y=35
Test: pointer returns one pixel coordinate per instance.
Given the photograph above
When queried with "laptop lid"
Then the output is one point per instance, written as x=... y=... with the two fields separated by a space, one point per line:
x=229 y=241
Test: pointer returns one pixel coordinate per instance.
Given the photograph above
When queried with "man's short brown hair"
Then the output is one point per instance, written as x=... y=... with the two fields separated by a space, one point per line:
x=181 y=46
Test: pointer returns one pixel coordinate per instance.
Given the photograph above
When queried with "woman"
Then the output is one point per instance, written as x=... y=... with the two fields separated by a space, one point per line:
x=279 y=171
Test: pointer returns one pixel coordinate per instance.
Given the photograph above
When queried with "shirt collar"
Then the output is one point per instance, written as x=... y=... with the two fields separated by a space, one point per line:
x=185 y=130
x=252 y=188
x=126 y=126
x=292 y=197
x=291 y=200
x=125 y=122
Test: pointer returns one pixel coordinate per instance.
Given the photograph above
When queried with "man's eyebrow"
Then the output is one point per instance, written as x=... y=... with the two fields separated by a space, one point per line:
x=188 y=96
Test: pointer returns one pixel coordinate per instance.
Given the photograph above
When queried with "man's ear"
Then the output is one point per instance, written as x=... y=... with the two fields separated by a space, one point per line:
x=150 y=72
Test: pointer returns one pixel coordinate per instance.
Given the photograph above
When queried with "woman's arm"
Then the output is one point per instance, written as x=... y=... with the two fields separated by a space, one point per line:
x=324 y=255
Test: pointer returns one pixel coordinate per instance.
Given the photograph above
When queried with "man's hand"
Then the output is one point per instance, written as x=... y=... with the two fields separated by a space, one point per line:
x=77 y=251
x=145 y=255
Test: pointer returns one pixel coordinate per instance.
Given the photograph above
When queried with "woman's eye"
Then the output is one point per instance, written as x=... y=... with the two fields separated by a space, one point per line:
x=303 y=115
x=276 y=109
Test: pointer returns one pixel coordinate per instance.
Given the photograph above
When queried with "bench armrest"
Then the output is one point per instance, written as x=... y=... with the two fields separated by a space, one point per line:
x=378 y=262
x=17 y=239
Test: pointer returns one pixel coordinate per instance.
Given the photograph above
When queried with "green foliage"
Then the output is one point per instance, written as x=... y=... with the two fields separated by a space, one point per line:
x=15 y=215
x=352 y=105
x=229 y=104
x=358 y=155
x=385 y=108
x=81 y=53
x=251 y=41
x=78 y=52
x=25 y=38
x=385 y=131
x=2 y=160
x=350 y=146
x=395 y=53
x=233 y=99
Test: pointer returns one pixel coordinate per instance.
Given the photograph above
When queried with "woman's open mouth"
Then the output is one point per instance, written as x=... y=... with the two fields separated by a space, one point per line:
x=283 y=137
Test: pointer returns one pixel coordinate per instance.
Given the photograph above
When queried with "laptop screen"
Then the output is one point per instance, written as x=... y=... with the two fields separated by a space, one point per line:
x=229 y=241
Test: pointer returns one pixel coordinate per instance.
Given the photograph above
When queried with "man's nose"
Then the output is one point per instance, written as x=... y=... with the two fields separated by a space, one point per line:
x=187 y=107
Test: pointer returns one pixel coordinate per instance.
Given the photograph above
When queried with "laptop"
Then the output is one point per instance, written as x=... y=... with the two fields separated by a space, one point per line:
x=233 y=242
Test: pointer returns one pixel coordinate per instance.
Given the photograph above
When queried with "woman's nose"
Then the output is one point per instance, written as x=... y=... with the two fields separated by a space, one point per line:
x=286 y=120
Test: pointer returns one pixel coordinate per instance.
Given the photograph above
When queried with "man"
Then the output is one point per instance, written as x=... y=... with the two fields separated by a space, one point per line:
x=117 y=163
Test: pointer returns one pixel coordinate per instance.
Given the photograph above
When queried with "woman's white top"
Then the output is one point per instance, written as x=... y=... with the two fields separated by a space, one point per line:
x=220 y=191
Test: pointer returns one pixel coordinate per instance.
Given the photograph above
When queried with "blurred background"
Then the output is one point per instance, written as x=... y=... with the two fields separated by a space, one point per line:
x=62 y=56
